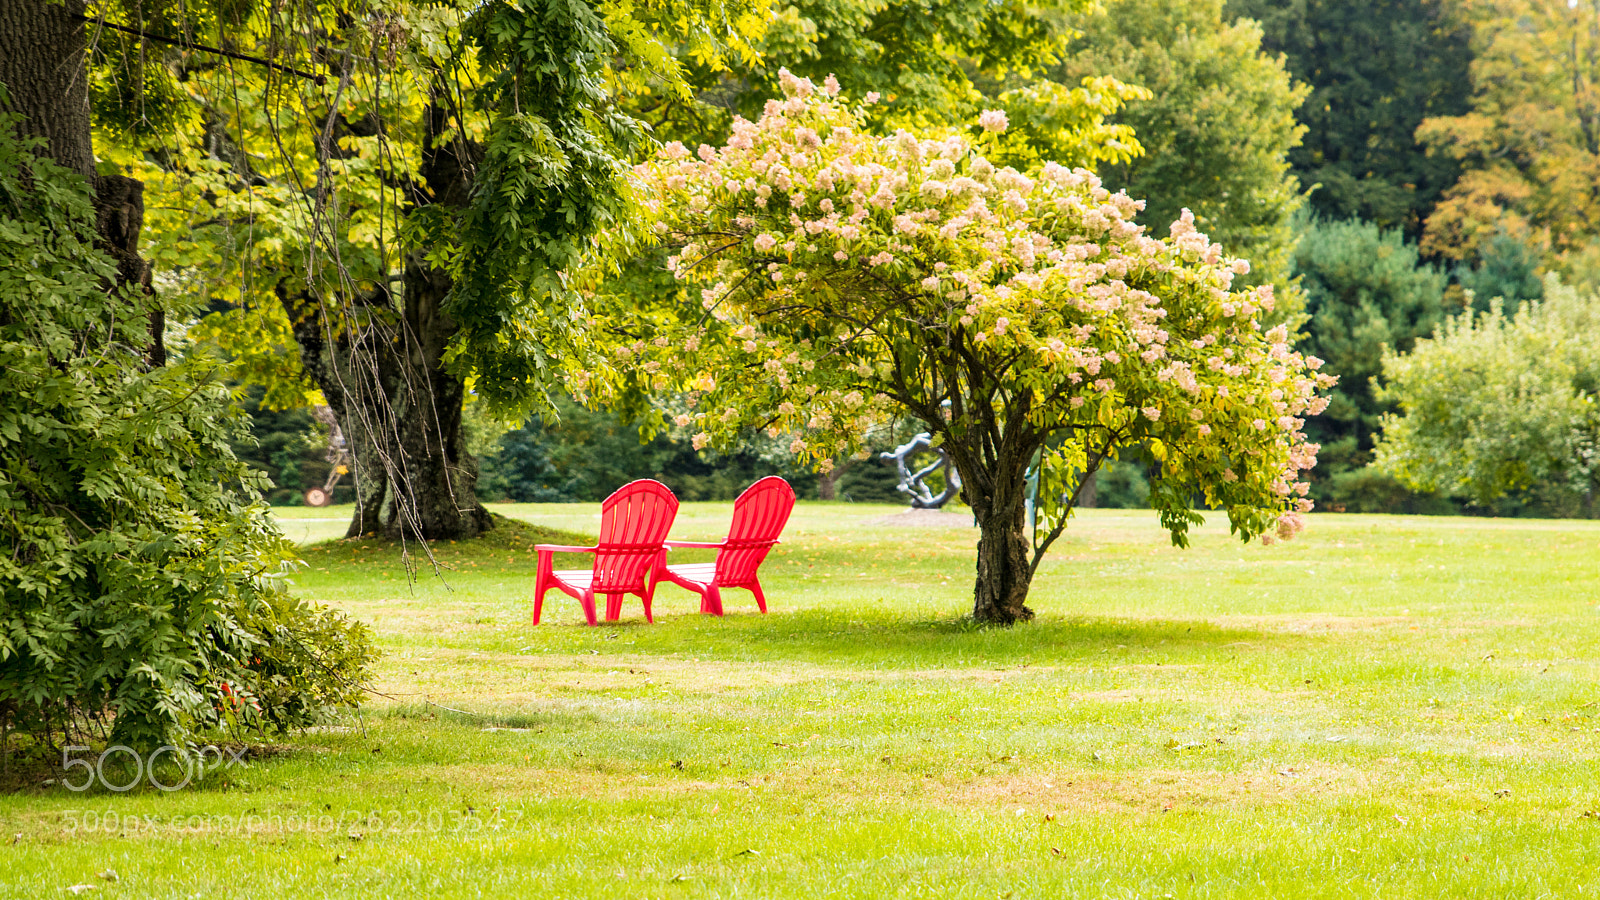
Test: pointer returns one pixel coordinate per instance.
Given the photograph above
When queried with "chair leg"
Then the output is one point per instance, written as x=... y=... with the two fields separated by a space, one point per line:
x=588 y=606
x=656 y=568
x=646 y=598
x=541 y=584
x=761 y=599
x=613 y=607
x=711 y=602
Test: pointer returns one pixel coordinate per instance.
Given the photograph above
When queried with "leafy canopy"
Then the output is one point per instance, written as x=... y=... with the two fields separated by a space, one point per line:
x=1530 y=143
x=848 y=279
x=273 y=185
x=1215 y=121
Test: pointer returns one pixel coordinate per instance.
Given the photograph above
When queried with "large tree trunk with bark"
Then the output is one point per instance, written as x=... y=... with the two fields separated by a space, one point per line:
x=45 y=70
x=400 y=413
x=44 y=67
x=1005 y=564
x=381 y=368
x=383 y=373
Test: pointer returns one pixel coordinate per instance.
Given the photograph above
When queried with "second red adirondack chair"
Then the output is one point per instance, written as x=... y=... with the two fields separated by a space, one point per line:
x=758 y=518
x=633 y=523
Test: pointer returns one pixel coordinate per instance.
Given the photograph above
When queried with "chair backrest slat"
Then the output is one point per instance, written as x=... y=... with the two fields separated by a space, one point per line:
x=758 y=519
x=633 y=523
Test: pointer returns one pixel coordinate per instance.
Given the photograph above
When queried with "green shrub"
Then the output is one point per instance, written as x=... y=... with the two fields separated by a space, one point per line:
x=1506 y=269
x=582 y=455
x=141 y=580
x=1497 y=408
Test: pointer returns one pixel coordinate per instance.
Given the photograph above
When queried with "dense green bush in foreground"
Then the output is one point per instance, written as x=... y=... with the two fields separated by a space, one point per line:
x=140 y=582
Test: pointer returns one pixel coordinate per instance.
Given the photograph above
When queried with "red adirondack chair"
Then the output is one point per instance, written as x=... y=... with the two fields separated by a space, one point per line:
x=758 y=518
x=633 y=523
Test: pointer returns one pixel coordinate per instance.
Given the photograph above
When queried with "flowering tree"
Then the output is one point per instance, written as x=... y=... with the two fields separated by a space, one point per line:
x=849 y=279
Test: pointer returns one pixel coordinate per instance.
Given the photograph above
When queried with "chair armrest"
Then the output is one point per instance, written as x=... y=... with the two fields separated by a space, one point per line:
x=560 y=548
x=690 y=544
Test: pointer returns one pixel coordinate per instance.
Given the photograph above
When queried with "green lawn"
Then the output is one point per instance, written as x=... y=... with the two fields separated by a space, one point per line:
x=1383 y=707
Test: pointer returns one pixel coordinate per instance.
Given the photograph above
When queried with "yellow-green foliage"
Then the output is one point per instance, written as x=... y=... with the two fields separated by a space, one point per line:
x=1530 y=145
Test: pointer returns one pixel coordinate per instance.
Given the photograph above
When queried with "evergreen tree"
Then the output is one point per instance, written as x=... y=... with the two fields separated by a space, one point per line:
x=1366 y=290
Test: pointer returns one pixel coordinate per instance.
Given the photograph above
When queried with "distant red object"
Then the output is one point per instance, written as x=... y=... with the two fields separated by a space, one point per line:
x=758 y=518
x=633 y=523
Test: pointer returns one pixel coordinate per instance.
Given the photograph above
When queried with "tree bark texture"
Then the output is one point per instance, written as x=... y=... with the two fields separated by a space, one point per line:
x=401 y=419
x=993 y=463
x=44 y=67
x=380 y=365
x=1004 y=565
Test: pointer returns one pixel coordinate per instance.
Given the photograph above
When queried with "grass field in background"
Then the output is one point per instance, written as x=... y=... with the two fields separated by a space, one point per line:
x=1383 y=707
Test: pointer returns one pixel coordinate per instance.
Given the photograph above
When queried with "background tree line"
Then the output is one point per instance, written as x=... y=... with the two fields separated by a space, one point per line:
x=1387 y=166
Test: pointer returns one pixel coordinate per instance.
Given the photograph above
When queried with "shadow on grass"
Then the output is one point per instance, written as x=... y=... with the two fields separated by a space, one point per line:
x=882 y=638
x=508 y=536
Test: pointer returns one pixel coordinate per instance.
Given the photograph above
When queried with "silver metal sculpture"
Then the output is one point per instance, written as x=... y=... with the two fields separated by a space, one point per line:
x=338 y=456
x=914 y=483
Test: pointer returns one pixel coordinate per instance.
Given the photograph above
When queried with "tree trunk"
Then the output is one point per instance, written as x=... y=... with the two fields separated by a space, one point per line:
x=1089 y=493
x=385 y=379
x=44 y=67
x=995 y=486
x=441 y=475
x=401 y=417
x=1004 y=564
x=828 y=482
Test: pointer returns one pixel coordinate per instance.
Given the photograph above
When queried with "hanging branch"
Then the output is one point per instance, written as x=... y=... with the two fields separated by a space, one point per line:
x=189 y=45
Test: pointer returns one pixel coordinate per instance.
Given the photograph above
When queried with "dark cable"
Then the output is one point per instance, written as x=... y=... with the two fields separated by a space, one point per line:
x=187 y=45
